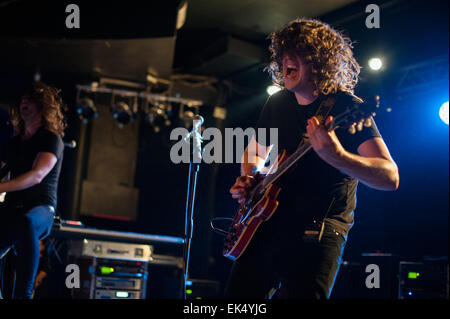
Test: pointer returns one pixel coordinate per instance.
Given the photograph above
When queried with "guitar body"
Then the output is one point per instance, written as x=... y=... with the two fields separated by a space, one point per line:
x=249 y=217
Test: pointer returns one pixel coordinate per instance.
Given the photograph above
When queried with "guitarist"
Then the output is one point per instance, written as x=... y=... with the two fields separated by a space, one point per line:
x=33 y=158
x=315 y=65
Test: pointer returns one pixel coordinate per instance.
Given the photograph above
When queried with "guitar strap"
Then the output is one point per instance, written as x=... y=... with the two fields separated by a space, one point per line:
x=322 y=113
x=325 y=108
x=313 y=231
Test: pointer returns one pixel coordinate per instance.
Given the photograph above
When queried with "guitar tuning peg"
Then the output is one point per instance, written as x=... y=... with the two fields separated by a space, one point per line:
x=359 y=126
x=368 y=122
x=352 y=129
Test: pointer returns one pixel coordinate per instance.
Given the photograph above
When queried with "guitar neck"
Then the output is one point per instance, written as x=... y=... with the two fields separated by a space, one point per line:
x=291 y=160
x=283 y=167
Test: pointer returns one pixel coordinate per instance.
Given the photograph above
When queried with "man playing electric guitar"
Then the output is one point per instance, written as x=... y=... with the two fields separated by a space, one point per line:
x=314 y=63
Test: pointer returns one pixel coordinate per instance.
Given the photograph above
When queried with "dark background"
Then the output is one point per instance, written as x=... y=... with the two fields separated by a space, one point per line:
x=411 y=222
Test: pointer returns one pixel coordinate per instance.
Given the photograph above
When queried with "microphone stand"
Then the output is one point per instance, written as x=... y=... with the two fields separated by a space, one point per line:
x=194 y=166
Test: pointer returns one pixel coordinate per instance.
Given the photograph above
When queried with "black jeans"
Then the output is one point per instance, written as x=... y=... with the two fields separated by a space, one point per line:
x=300 y=270
x=23 y=229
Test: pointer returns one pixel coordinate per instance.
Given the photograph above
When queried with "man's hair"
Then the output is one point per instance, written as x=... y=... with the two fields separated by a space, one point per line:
x=50 y=105
x=327 y=51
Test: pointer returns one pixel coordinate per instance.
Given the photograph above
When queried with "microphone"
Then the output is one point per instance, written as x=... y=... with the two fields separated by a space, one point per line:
x=196 y=138
x=72 y=144
x=198 y=121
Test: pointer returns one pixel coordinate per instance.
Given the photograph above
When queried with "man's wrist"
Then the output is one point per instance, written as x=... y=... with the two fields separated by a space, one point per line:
x=341 y=160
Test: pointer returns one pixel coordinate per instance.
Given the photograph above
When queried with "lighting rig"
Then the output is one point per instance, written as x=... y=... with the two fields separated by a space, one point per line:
x=126 y=103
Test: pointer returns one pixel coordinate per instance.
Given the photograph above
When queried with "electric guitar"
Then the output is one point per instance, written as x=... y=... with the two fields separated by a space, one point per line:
x=262 y=202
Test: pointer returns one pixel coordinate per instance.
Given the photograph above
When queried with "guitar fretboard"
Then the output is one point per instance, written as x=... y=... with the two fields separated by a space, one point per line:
x=282 y=168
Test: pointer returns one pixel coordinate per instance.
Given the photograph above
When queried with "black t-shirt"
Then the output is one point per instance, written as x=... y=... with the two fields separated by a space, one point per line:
x=312 y=188
x=20 y=154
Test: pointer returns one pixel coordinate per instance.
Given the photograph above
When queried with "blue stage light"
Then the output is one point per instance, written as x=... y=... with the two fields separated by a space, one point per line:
x=443 y=112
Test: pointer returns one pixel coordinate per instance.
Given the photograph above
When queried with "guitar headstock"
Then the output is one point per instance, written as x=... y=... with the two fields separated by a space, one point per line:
x=356 y=116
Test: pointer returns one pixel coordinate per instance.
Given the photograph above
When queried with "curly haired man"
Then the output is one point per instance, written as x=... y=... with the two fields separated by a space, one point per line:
x=33 y=157
x=314 y=63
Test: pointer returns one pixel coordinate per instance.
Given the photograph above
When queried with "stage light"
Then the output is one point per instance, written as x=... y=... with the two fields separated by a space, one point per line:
x=272 y=89
x=37 y=76
x=86 y=109
x=157 y=116
x=375 y=64
x=443 y=112
x=122 y=113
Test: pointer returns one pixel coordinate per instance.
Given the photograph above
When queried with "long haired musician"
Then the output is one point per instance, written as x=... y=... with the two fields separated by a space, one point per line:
x=297 y=252
x=33 y=158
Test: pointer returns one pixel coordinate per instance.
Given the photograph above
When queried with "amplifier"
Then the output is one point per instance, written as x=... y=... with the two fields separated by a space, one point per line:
x=111 y=250
x=118 y=283
x=423 y=280
x=111 y=270
x=117 y=264
x=202 y=289
x=354 y=278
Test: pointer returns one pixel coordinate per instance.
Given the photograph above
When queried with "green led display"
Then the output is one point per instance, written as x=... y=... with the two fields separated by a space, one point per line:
x=413 y=275
x=106 y=270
